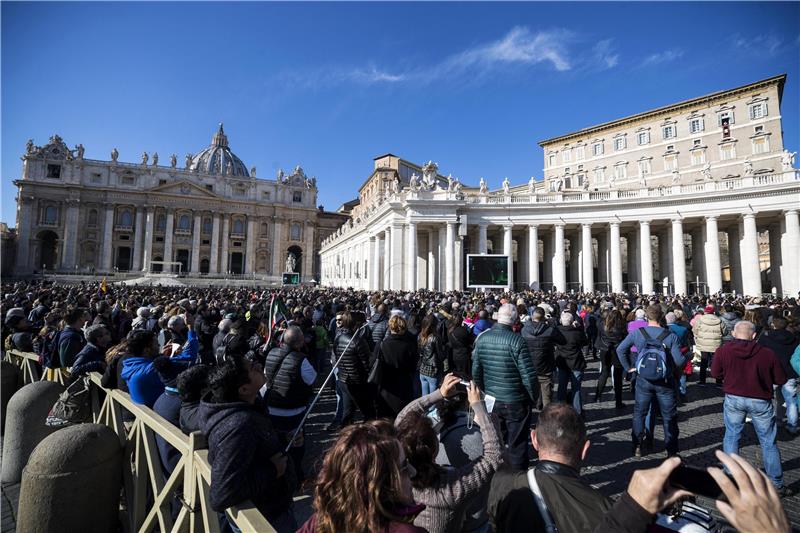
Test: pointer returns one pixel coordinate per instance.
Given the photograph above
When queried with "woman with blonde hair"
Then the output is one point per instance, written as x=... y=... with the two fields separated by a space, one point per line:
x=364 y=485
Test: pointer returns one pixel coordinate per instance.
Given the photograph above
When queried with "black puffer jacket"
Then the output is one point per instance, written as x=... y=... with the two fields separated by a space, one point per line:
x=378 y=324
x=355 y=364
x=569 y=355
x=283 y=371
x=541 y=338
x=461 y=341
x=399 y=355
x=783 y=343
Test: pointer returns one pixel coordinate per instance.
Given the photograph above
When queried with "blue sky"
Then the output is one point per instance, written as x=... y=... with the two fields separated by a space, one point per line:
x=329 y=86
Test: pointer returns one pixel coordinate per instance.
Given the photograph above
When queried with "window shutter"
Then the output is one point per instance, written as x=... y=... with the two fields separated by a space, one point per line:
x=764 y=114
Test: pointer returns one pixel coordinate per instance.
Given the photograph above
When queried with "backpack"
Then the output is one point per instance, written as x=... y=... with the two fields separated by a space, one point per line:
x=73 y=405
x=219 y=355
x=651 y=361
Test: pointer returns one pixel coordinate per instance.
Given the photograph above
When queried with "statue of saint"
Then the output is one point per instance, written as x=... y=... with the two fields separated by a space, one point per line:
x=253 y=172
x=29 y=146
x=413 y=183
x=483 y=187
x=676 y=177
x=396 y=186
x=155 y=159
x=114 y=155
x=787 y=160
x=145 y=157
x=449 y=183
x=188 y=161
x=173 y=160
x=279 y=175
x=506 y=187
x=290 y=262
x=532 y=185
x=585 y=184
x=80 y=151
x=748 y=167
x=706 y=172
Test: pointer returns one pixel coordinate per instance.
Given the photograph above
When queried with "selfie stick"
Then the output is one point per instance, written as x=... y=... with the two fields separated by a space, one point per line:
x=322 y=388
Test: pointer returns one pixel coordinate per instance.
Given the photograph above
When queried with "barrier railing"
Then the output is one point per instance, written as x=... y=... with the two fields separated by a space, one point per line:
x=149 y=495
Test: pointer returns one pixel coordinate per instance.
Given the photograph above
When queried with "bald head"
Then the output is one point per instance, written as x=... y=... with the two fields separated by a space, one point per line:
x=744 y=330
x=293 y=337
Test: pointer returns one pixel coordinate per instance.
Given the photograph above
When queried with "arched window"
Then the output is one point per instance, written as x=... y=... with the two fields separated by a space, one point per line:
x=161 y=223
x=295 y=232
x=264 y=229
x=50 y=214
x=92 y=219
x=207 y=225
x=238 y=226
x=125 y=218
x=184 y=223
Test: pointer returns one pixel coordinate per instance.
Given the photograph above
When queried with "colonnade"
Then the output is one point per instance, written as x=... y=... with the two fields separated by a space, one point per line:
x=680 y=255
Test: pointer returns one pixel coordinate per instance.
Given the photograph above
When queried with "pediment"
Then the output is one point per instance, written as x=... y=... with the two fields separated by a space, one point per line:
x=184 y=188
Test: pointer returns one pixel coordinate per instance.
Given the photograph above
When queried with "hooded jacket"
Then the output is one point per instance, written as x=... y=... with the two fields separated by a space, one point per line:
x=747 y=369
x=378 y=325
x=541 y=338
x=783 y=343
x=729 y=320
x=708 y=331
x=569 y=351
x=241 y=441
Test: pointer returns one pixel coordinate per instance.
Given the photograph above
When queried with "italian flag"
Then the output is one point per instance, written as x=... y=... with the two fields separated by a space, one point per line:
x=277 y=314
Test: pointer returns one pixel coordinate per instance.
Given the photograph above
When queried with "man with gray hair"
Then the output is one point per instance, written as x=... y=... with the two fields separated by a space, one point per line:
x=502 y=367
x=749 y=371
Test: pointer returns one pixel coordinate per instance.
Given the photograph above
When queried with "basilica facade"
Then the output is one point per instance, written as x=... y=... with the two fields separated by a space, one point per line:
x=210 y=216
x=686 y=198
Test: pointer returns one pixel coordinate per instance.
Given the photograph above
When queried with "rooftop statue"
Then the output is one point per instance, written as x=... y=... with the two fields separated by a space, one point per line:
x=787 y=159
x=483 y=187
x=413 y=183
x=532 y=185
x=155 y=159
x=706 y=172
x=188 y=161
x=253 y=172
x=506 y=186
x=173 y=160
x=29 y=146
x=145 y=157
x=80 y=151
x=114 y=155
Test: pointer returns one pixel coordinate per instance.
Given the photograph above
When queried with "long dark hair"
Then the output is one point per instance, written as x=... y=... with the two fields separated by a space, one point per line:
x=614 y=321
x=427 y=329
x=421 y=445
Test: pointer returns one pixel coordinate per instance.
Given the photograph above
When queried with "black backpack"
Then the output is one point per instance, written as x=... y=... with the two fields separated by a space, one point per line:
x=219 y=355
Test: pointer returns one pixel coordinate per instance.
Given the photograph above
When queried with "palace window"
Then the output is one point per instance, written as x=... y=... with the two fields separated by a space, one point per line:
x=50 y=215
x=297 y=197
x=759 y=129
x=669 y=132
x=644 y=167
x=566 y=155
x=758 y=110
x=643 y=137
x=97 y=177
x=761 y=145
x=597 y=149
x=580 y=153
x=264 y=229
x=294 y=232
x=128 y=179
x=670 y=162
x=91 y=220
x=698 y=157
x=265 y=195
x=723 y=115
x=696 y=125
x=619 y=144
x=599 y=175
x=162 y=182
x=727 y=151
x=552 y=160
x=54 y=171
x=621 y=171
x=208 y=225
x=209 y=187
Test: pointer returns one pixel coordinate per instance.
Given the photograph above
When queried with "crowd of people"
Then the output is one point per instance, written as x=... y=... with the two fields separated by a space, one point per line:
x=455 y=411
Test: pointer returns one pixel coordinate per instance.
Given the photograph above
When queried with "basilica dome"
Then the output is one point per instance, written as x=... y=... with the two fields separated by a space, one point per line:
x=218 y=158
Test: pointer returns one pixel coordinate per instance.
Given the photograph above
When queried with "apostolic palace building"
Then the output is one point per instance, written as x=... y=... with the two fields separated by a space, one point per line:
x=697 y=196
x=209 y=217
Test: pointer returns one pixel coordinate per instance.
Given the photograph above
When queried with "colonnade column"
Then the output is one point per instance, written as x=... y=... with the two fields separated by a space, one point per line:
x=169 y=230
x=748 y=248
x=223 y=255
x=712 y=258
x=387 y=258
x=442 y=260
x=588 y=257
x=195 y=266
x=25 y=221
x=138 y=234
x=735 y=258
x=432 y=285
x=147 y=255
x=396 y=258
x=449 y=257
x=678 y=257
x=616 y=258
x=250 y=246
x=533 y=256
x=108 y=236
x=790 y=251
x=602 y=261
x=509 y=251
x=214 y=259
x=646 y=257
x=775 y=259
x=482 y=239
x=375 y=263
x=411 y=257
x=559 y=263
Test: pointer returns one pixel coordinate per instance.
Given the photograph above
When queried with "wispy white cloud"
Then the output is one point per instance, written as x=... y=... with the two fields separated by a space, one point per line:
x=557 y=49
x=662 y=57
x=771 y=44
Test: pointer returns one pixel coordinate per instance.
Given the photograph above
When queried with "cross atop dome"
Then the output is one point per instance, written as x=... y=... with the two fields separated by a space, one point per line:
x=220 y=139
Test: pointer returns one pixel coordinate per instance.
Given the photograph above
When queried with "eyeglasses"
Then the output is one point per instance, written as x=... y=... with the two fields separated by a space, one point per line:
x=338 y=320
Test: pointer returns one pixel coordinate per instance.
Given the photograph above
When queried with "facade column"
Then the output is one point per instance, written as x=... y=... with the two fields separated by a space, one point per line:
x=588 y=257
x=387 y=258
x=70 y=235
x=748 y=248
x=678 y=257
x=735 y=258
x=559 y=262
x=604 y=283
x=108 y=237
x=533 y=256
x=790 y=251
x=665 y=258
x=396 y=258
x=168 y=234
x=775 y=258
x=712 y=259
x=226 y=237
x=698 y=257
x=432 y=285
x=214 y=259
x=449 y=261
x=195 y=265
x=616 y=258
x=508 y=249
x=250 y=246
x=646 y=257
x=25 y=221
x=458 y=256
x=441 y=259
x=411 y=256
x=147 y=255
x=277 y=237
x=482 y=238
x=547 y=258
x=138 y=234
x=308 y=253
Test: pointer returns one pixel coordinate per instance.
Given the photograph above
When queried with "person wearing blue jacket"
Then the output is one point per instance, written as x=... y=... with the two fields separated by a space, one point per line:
x=662 y=391
x=138 y=371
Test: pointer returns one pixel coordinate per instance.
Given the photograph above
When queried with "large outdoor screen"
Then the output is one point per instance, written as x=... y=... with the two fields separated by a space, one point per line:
x=487 y=271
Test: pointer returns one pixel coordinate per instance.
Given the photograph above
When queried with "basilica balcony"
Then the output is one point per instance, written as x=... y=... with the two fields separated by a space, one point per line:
x=183 y=231
x=120 y=227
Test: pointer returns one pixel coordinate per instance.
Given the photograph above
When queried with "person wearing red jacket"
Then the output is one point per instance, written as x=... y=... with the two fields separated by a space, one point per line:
x=749 y=371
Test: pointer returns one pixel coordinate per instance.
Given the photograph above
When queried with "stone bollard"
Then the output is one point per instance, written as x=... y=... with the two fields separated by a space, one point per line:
x=73 y=482
x=25 y=428
x=10 y=381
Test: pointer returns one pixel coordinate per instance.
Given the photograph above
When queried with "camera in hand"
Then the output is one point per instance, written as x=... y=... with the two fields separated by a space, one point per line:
x=697 y=481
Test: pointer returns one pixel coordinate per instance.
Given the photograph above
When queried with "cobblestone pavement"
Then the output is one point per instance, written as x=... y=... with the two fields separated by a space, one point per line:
x=610 y=463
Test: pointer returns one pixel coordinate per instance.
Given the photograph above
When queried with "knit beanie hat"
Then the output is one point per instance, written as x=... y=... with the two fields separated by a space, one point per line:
x=507 y=314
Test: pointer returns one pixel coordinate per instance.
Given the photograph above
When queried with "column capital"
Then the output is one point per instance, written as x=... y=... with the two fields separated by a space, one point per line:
x=645 y=222
x=676 y=220
x=791 y=212
x=614 y=223
x=508 y=226
x=559 y=224
x=535 y=226
x=586 y=225
x=746 y=216
x=711 y=217
x=483 y=223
